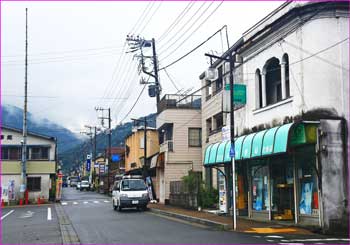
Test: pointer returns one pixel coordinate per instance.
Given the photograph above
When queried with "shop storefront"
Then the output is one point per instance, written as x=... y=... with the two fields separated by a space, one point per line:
x=276 y=173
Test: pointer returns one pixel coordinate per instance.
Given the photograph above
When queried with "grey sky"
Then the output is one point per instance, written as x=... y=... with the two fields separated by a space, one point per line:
x=76 y=58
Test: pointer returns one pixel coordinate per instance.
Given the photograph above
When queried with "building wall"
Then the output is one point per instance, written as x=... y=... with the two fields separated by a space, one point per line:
x=307 y=84
x=182 y=120
x=33 y=195
x=173 y=172
x=33 y=167
x=134 y=140
x=31 y=140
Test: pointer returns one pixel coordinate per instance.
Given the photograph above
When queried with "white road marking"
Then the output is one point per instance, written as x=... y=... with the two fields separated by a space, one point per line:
x=49 y=217
x=293 y=243
x=273 y=236
x=64 y=203
x=106 y=201
x=4 y=216
x=86 y=202
x=75 y=203
x=96 y=201
x=28 y=214
x=316 y=239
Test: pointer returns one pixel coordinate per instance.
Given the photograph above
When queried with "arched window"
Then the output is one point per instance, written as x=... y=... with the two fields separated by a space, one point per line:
x=258 y=90
x=272 y=69
x=285 y=63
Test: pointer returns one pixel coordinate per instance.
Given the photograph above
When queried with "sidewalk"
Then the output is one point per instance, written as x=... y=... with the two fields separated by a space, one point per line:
x=225 y=222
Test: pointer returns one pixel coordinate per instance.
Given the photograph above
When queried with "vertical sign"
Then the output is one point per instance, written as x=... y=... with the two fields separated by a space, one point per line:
x=88 y=163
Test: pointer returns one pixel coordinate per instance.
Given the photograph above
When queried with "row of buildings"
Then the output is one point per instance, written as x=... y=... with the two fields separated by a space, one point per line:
x=291 y=131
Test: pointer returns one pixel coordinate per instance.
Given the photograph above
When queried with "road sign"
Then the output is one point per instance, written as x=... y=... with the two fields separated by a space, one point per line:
x=239 y=92
x=102 y=168
x=232 y=151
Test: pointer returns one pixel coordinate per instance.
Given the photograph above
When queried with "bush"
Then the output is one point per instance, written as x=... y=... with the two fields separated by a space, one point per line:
x=191 y=182
x=208 y=198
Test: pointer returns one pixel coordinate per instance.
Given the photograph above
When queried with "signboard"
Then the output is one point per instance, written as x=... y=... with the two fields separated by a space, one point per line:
x=96 y=165
x=115 y=158
x=232 y=151
x=226 y=133
x=88 y=165
x=102 y=168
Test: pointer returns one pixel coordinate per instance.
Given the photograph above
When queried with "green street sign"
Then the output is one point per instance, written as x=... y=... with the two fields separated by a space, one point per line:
x=239 y=92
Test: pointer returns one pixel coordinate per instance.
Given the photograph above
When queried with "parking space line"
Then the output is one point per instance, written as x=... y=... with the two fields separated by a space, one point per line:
x=3 y=217
x=49 y=217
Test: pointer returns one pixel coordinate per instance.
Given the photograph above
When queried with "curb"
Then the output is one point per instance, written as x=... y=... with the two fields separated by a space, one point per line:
x=213 y=224
x=68 y=234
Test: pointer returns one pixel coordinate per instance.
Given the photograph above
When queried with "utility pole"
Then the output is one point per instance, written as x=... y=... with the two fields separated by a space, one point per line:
x=232 y=133
x=109 y=137
x=137 y=44
x=24 y=145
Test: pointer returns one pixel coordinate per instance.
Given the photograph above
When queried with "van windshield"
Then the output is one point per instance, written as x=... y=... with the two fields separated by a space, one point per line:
x=133 y=185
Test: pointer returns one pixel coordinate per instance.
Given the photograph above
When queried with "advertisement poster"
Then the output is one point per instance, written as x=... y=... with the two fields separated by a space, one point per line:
x=306 y=197
x=5 y=194
x=149 y=187
x=11 y=190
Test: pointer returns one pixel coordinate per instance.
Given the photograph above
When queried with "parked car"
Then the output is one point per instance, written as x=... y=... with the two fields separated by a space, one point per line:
x=78 y=185
x=131 y=191
x=73 y=181
x=84 y=185
x=64 y=181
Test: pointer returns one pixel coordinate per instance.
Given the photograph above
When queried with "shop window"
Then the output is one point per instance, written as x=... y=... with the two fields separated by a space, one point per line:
x=260 y=188
x=273 y=81
x=9 y=137
x=195 y=137
x=308 y=190
x=11 y=153
x=34 y=183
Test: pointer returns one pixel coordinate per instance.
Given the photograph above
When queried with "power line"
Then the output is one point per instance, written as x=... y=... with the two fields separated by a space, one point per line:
x=146 y=23
x=176 y=21
x=194 y=49
x=183 y=27
x=195 y=30
x=134 y=104
x=171 y=80
x=140 y=17
x=62 y=52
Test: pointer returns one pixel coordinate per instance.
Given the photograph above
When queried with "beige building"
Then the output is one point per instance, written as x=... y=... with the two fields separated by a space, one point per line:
x=41 y=163
x=134 y=144
x=179 y=128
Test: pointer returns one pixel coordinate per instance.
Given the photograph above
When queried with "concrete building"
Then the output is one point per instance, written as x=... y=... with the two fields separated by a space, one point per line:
x=41 y=163
x=179 y=128
x=292 y=143
x=134 y=147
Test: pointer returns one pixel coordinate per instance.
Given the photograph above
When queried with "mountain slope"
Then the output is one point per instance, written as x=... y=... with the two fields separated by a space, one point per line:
x=12 y=116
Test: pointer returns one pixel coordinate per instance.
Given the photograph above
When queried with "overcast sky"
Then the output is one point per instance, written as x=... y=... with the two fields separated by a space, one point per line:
x=77 y=57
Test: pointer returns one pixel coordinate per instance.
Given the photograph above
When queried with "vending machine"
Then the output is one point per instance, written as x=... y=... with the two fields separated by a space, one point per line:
x=222 y=193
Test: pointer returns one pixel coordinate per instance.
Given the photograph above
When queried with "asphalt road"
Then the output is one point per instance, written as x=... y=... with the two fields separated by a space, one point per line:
x=30 y=224
x=95 y=221
x=90 y=218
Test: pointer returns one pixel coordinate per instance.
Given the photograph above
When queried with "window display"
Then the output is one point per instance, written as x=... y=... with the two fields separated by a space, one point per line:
x=260 y=188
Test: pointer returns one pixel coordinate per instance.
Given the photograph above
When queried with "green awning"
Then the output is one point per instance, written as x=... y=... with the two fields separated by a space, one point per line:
x=264 y=143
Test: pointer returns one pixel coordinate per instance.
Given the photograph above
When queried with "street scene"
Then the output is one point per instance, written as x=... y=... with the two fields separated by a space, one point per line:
x=164 y=122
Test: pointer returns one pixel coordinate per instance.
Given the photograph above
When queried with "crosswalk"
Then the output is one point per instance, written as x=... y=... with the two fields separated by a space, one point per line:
x=86 y=202
x=280 y=239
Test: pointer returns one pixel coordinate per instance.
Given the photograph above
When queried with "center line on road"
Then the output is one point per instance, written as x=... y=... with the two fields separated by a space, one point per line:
x=3 y=217
x=49 y=217
x=75 y=203
x=64 y=203
x=96 y=201
x=106 y=201
x=86 y=202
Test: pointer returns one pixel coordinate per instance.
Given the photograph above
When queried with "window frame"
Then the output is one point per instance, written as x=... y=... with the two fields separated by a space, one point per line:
x=30 y=186
x=199 y=139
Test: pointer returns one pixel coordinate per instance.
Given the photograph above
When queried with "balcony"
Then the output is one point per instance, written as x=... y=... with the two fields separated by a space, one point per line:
x=173 y=101
x=167 y=146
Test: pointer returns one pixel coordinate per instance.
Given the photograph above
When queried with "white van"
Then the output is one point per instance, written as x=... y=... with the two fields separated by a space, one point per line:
x=131 y=191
